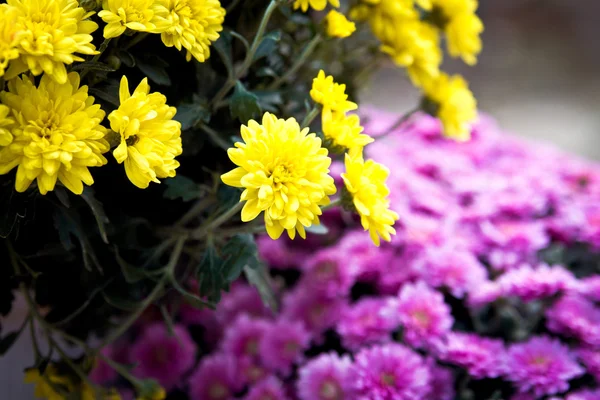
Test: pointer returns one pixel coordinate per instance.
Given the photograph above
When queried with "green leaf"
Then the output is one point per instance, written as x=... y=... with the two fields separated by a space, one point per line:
x=244 y=104
x=238 y=252
x=317 y=229
x=209 y=274
x=98 y=211
x=267 y=45
x=259 y=278
x=126 y=58
x=223 y=48
x=121 y=303
x=154 y=68
x=181 y=187
x=68 y=225
x=131 y=273
x=190 y=114
x=14 y=208
x=269 y=100
x=227 y=196
x=93 y=66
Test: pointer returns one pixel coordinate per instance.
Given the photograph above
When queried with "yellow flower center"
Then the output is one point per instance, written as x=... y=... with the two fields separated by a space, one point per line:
x=330 y=391
x=282 y=174
x=218 y=391
x=388 y=379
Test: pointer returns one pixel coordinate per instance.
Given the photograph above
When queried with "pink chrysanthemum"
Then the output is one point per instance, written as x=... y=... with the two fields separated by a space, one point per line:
x=328 y=271
x=204 y=317
x=481 y=357
x=528 y=283
x=590 y=287
x=483 y=294
x=585 y=394
x=442 y=382
x=523 y=235
x=216 y=378
x=389 y=372
x=541 y=365
x=368 y=260
x=280 y=254
x=457 y=270
x=577 y=317
x=283 y=345
x=250 y=370
x=317 y=311
x=269 y=388
x=365 y=323
x=591 y=359
x=324 y=378
x=163 y=357
x=243 y=336
x=241 y=299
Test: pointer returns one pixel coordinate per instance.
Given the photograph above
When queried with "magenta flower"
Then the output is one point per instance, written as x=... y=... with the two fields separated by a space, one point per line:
x=283 y=345
x=422 y=313
x=483 y=294
x=481 y=357
x=590 y=287
x=251 y=370
x=389 y=372
x=163 y=357
x=102 y=373
x=279 y=254
x=364 y=322
x=368 y=261
x=324 y=378
x=585 y=394
x=215 y=378
x=542 y=365
x=242 y=337
x=591 y=359
x=204 y=317
x=442 y=382
x=525 y=236
x=576 y=317
x=241 y=299
x=329 y=272
x=269 y=388
x=528 y=283
x=317 y=311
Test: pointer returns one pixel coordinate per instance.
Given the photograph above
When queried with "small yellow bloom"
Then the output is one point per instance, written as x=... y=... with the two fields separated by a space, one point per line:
x=343 y=132
x=338 y=25
x=6 y=122
x=285 y=173
x=44 y=384
x=453 y=8
x=365 y=184
x=159 y=394
x=191 y=24
x=8 y=29
x=385 y=16
x=49 y=33
x=463 y=37
x=137 y=15
x=150 y=138
x=314 y=4
x=57 y=133
x=453 y=103
x=331 y=95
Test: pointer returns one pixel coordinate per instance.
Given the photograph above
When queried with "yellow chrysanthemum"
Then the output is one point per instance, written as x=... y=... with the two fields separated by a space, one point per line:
x=385 y=16
x=453 y=8
x=6 y=122
x=338 y=25
x=150 y=138
x=415 y=47
x=285 y=173
x=331 y=95
x=365 y=185
x=8 y=43
x=57 y=133
x=463 y=37
x=49 y=33
x=137 y=15
x=191 y=24
x=43 y=384
x=449 y=99
x=343 y=132
x=314 y=4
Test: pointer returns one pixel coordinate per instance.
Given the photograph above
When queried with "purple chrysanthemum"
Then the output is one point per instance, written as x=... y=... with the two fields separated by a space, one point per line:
x=283 y=345
x=389 y=372
x=163 y=357
x=242 y=337
x=250 y=370
x=525 y=236
x=368 y=260
x=528 y=283
x=422 y=313
x=215 y=378
x=269 y=388
x=204 y=317
x=483 y=294
x=324 y=378
x=457 y=270
x=365 y=323
x=591 y=359
x=241 y=299
x=590 y=287
x=442 y=382
x=279 y=254
x=577 y=317
x=585 y=394
x=317 y=311
x=481 y=357
x=102 y=373
x=329 y=272
x=541 y=365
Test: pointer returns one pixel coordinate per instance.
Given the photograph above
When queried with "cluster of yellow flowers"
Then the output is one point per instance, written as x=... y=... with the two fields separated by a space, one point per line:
x=410 y=32
x=284 y=169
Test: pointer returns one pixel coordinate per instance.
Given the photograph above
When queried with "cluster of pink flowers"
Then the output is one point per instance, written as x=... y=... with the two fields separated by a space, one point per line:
x=460 y=301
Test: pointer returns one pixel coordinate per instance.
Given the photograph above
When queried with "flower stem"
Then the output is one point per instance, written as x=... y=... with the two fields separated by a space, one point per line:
x=96 y=57
x=399 y=122
x=310 y=47
x=215 y=137
x=310 y=116
x=333 y=204
x=249 y=56
x=220 y=220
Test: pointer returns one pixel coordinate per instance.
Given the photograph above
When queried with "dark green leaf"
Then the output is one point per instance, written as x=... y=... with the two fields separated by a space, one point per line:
x=269 y=100
x=93 y=66
x=190 y=114
x=267 y=45
x=62 y=195
x=154 y=68
x=223 y=48
x=259 y=278
x=227 y=196
x=243 y=104
x=120 y=302
x=126 y=58
x=181 y=187
x=238 y=252
x=209 y=274
x=97 y=210
x=131 y=273
x=108 y=93
x=67 y=225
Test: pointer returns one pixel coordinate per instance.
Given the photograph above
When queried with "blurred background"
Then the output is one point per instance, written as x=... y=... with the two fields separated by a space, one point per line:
x=537 y=74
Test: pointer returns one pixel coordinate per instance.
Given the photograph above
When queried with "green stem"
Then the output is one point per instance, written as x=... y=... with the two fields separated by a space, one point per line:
x=215 y=137
x=194 y=211
x=310 y=116
x=94 y=59
x=333 y=204
x=231 y=6
x=136 y=39
x=230 y=83
x=120 y=369
x=220 y=220
x=308 y=50
x=399 y=122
